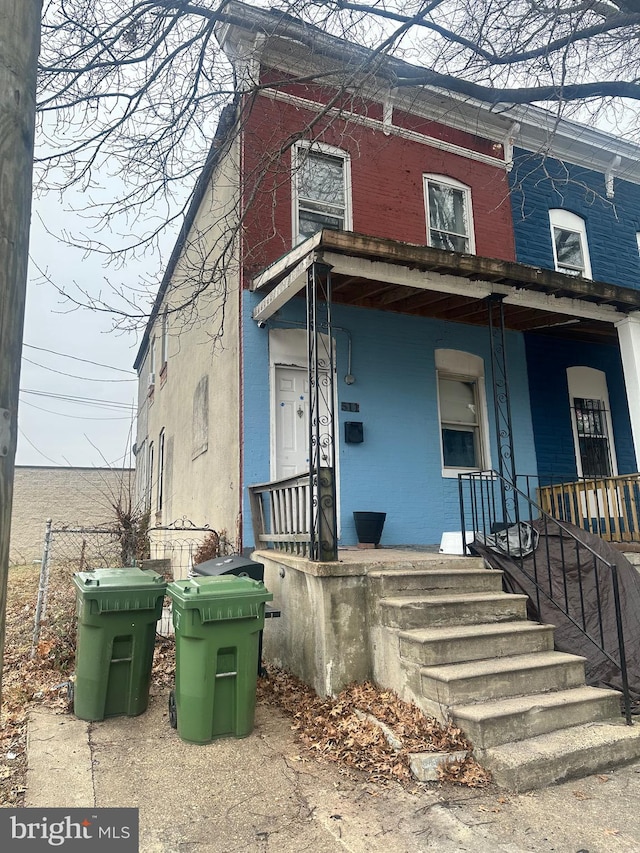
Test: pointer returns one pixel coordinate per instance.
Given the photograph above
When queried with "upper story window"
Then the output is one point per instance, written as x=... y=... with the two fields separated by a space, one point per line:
x=152 y=356
x=164 y=340
x=449 y=214
x=322 y=190
x=569 y=238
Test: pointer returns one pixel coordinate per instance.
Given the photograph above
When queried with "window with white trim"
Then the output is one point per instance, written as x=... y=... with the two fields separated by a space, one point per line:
x=322 y=190
x=149 y=483
x=569 y=240
x=164 y=341
x=462 y=412
x=449 y=214
x=591 y=422
x=160 y=501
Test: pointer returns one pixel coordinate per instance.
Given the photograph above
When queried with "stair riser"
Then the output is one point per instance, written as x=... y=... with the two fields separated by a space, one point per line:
x=536 y=721
x=453 y=582
x=477 y=648
x=547 y=771
x=431 y=615
x=501 y=685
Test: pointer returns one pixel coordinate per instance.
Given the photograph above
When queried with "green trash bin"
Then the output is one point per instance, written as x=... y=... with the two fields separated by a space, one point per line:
x=117 y=614
x=217 y=623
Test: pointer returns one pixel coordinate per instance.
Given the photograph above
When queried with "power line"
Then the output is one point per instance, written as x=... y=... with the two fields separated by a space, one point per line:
x=37 y=449
x=74 y=417
x=76 y=358
x=73 y=375
x=85 y=401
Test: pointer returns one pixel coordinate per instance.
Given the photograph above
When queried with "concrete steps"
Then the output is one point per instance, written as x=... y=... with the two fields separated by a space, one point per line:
x=470 y=655
x=483 y=680
x=563 y=754
x=457 y=643
x=446 y=609
x=503 y=720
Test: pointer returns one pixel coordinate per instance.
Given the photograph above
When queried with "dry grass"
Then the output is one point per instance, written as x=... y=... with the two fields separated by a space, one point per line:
x=25 y=681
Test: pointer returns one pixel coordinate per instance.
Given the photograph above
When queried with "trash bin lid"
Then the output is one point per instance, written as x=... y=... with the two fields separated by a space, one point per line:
x=220 y=597
x=121 y=589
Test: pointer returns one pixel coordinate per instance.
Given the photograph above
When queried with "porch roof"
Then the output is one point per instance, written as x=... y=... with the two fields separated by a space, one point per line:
x=373 y=272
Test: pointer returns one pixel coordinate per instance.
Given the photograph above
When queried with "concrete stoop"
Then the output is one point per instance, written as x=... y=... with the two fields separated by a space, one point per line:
x=467 y=653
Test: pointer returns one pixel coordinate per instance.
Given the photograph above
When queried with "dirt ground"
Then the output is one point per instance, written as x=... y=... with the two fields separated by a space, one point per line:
x=340 y=730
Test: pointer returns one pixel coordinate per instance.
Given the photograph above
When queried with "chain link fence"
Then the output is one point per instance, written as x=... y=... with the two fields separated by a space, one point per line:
x=171 y=550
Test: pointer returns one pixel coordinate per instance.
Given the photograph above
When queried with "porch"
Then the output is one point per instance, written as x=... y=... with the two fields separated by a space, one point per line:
x=363 y=286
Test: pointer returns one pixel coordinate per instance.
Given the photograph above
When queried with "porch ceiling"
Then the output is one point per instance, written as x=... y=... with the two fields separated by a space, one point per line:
x=403 y=278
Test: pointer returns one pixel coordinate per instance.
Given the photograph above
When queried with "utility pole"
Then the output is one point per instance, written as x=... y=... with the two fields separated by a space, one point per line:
x=19 y=47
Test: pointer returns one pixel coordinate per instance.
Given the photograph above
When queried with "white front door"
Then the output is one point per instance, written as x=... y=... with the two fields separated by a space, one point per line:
x=291 y=421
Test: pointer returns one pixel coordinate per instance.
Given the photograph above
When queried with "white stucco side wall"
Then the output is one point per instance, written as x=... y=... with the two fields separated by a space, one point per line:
x=191 y=411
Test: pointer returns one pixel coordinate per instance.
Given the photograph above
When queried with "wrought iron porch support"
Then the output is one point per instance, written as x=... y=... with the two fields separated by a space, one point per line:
x=502 y=408
x=323 y=525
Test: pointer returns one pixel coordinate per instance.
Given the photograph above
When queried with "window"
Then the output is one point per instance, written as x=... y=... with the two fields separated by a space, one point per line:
x=459 y=422
x=164 y=343
x=449 y=217
x=462 y=411
x=321 y=190
x=593 y=438
x=152 y=357
x=160 y=472
x=200 y=419
x=591 y=422
x=149 y=485
x=569 y=239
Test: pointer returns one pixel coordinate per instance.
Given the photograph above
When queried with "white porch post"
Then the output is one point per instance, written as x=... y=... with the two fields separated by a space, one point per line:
x=629 y=339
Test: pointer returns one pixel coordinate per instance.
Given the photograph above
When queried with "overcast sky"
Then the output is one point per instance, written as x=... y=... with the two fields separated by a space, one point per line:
x=54 y=429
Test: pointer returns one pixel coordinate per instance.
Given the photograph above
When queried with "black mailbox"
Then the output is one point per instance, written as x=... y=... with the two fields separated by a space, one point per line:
x=353 y=432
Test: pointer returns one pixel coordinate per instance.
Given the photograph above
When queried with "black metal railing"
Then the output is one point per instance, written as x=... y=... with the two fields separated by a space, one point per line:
x=491 y=504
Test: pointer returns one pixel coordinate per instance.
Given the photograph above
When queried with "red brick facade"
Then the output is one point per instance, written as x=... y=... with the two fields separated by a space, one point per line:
x=386 y=177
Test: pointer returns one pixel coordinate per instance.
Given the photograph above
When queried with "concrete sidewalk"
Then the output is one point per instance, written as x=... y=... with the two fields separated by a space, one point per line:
x=261 y=794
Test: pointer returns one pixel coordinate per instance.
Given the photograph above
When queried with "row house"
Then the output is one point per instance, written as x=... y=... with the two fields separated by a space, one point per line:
x=387 y=299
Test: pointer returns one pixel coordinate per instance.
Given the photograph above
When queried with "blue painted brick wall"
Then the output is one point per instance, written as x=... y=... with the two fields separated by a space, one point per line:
x=397 y=469
x=539 y=184
x=548 y=359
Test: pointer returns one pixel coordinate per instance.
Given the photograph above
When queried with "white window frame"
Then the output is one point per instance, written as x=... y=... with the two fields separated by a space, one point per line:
x=296 y=160
x=465 y=366
x=160 y=493
x=164 y=340
x=428 y=178
x=152 y=356
x=149 y=484
x=568 y=221
x=638 y=242
x=588 y=383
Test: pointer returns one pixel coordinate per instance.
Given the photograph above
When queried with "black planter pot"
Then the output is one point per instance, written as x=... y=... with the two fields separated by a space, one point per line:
x=369 y=526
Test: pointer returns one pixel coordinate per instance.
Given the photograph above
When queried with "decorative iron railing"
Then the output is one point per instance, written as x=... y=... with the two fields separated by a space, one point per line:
x=490 y=503
x=296 y=515
x=607 y=506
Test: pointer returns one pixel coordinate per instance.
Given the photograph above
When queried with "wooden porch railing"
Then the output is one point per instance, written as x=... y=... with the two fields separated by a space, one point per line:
x=608 y=506
x=281 y=516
